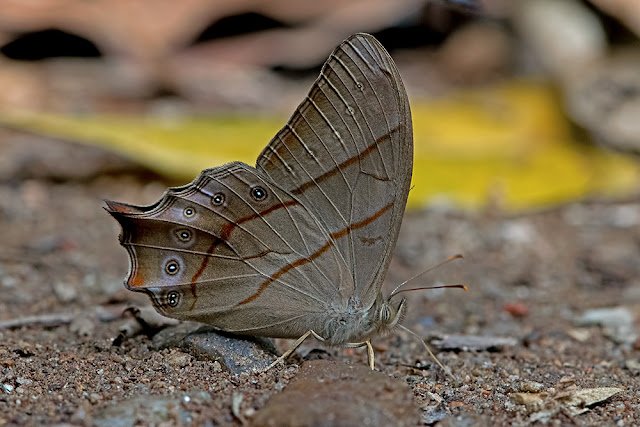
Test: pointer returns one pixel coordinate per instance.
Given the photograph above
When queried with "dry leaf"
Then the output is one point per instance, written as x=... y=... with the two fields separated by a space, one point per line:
x=508 y=145
x=533 y=401
x=148 y=32
x=578 y=401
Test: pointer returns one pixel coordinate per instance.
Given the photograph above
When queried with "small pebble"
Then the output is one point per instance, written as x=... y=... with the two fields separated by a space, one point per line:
x=531 y=386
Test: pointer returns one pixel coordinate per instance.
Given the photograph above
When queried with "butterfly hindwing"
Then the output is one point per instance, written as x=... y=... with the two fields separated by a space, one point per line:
x=226 y=248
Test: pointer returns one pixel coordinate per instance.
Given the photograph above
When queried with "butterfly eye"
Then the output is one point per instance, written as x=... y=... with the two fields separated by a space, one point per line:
x=173 y=298
x=184 y=235
x=189 y=212
x=385 y=314
x=218 y=199
x=172 y=267
x=258 y=193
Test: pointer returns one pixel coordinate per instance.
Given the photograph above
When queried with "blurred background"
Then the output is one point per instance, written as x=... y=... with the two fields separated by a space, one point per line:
x=526 y=118
x=512 y=100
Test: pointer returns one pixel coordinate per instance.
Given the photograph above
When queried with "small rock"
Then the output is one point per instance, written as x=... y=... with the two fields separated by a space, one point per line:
x=606 y=316
x=435 y=410
x=234 y=354
x=172 y=336
x=456 y=404
x=82 y=326
x=517 y=309
x=178 y=358
x=148 y=321
x=529 y=386
x=617 y=323
x=632 y=364
x=433 y=414
x=465 y=419
x=23 y=382
x=65 y=292
x=579 y=334
x=154 y=410
x=542 y=417
x=329 y=393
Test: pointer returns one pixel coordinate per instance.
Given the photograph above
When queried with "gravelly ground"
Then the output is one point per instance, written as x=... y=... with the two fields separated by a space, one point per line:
x=531 y=278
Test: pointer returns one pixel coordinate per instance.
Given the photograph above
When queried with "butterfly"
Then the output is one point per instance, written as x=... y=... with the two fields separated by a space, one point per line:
x=300 y=244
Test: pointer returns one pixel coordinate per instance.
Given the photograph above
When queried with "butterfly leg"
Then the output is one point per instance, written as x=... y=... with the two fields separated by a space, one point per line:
x=293 y=348
x=370 y=355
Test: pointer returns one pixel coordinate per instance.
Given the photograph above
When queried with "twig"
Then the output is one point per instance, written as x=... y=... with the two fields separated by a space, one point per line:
x=44 y=319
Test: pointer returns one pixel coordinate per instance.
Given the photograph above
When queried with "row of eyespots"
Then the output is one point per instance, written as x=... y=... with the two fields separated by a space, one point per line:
x=172 y=267
x=258 y=193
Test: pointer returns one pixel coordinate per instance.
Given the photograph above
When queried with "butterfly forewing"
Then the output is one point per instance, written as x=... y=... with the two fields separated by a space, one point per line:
x=346 y=154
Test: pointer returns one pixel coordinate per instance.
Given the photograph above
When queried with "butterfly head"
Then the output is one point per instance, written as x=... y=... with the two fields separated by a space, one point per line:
x=390 y=313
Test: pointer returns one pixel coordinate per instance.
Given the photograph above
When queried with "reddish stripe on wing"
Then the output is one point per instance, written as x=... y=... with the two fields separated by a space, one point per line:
x=316 y=254
x=360 y=224
x=304 y=187
x=284 y=269
x=226 y=232
x=268 y=211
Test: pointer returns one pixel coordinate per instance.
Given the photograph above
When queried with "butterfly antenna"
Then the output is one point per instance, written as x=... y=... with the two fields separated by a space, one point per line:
x=433 y=356
x=395 y=291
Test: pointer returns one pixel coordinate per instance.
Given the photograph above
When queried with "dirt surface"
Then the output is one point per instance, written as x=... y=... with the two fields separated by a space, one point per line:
x=68 y=353
x=547 y=333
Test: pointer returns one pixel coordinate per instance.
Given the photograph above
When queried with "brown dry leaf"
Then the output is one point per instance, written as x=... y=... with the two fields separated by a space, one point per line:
x=149 y=31
x=151 y=43
x=22 y=85
x=579 y=400
x=307 y=45
x=141 y=29
x=627 y=11
x=565 y=395
x=605 y=99
x=533 y=401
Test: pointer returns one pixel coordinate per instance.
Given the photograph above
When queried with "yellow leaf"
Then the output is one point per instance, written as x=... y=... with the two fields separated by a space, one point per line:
x=509 y=145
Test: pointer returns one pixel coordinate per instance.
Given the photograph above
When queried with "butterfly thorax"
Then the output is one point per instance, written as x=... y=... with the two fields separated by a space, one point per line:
x=357 y=324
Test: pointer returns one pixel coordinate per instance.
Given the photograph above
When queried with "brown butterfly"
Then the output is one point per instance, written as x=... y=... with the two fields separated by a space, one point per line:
x=300 y=244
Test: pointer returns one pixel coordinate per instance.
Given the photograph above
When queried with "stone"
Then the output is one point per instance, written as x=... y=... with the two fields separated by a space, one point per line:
x=154 y=410
x=616 y=322
x=235 y=354
x=327 y=393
